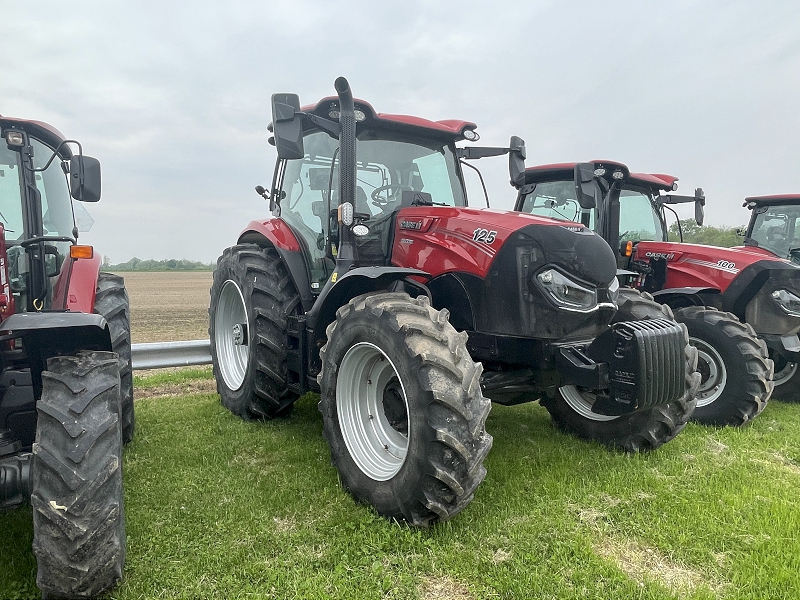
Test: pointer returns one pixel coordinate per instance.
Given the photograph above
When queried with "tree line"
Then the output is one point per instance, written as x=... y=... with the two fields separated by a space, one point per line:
x=712 y=236
x=172 y=264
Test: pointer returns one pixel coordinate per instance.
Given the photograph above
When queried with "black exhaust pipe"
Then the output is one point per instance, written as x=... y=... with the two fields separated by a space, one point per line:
x=347 y=142
x=347 y=166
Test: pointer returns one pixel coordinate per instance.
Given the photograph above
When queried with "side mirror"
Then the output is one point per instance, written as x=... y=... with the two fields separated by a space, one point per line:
x=84 y=178
x=585 y=185
x=287 y=125
x=699 y=206
x=516 y=161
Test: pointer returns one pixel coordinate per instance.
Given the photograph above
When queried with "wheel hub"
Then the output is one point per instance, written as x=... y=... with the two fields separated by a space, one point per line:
x=784 y=371
x=240 y=334
x=372 y=409
x=713 y=374
x=231 y=337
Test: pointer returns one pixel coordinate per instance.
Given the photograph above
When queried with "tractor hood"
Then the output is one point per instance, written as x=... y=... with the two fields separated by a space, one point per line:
x=697 y=265
x=469 y=240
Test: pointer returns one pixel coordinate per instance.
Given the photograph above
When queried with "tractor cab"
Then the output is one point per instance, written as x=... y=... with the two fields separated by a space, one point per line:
x=402 y=161
x=39 y=176
x=775 y=225
x=623 y=207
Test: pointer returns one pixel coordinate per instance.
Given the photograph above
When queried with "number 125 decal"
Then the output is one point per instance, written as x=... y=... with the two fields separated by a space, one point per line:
x=484 y=235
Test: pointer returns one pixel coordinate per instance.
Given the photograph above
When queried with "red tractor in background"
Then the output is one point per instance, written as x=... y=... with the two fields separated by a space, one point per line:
x=774 y=231
x=66 y=388
x=724 y=296
x=375 y=284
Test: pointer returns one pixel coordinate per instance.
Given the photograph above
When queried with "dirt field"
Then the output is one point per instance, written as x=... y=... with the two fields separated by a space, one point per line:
x=168 y=306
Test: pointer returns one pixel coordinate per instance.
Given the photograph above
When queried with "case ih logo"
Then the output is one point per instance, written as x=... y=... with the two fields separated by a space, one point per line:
x=410 y=224
x=664 y=255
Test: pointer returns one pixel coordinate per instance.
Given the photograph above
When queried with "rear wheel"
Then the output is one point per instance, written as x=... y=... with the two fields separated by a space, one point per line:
x=251 y=297
x=111 y=301
x=78 y=517
x=644 y=429
x=736 y=372
x=402 y=408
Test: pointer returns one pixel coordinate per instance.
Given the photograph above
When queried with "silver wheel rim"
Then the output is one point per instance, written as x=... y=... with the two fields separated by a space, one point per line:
x=785 y=374
x=231 y=335
x=366 y=376
x=581 y=402
x=711 y=387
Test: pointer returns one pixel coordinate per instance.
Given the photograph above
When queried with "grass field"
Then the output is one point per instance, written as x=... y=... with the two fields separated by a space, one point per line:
x=221 y=508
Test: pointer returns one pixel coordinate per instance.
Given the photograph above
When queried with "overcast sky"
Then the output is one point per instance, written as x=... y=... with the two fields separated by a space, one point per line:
x=173 y=97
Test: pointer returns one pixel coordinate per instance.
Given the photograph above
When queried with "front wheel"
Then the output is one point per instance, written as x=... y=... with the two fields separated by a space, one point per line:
x=736 y=372
x=643 y=429
x=402 y=408
x=78 y=517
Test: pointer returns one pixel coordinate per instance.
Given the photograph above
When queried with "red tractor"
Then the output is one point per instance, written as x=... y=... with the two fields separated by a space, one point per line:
x=375 y=284
x=726 y=297
x=774 y=231
x=66 y=391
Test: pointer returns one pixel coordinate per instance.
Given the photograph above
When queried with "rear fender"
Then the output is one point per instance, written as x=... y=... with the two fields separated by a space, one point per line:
x=82 y=285
x=277 y=234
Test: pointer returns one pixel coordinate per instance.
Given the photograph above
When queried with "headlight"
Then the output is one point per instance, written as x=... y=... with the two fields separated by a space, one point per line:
x=567 y=293
x=787 y=301
x=613 y=290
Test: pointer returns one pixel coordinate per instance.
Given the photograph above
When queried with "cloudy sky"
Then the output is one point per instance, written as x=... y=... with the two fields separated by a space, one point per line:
x=173 y=97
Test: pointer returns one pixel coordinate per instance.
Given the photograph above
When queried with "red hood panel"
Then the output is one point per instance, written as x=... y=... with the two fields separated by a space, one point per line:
x=696 y=265
x=442 y=239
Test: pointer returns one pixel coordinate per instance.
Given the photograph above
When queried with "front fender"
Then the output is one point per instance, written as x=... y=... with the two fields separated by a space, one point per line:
x=58 y=332
x=688 y=296
x=353 y=283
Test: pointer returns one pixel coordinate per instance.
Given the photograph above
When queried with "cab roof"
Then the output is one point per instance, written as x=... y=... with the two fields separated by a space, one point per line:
x=40 y=130
x=539 y=173
x=450 y=129
x=773 y=200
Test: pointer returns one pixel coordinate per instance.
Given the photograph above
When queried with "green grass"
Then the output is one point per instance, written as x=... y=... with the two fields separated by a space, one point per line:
x=221 y=508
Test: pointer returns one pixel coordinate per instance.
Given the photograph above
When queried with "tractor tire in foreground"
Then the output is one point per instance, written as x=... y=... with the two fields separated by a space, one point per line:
x=734 y=365
x=111 y=301
x=786 y=379
x=644 y=429
x=251 y=298
x=402 y=408
x=78 y=517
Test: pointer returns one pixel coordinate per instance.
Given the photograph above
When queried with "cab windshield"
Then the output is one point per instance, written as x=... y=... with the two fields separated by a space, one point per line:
x=388 y=166
x=57 y=217
x=777 y=229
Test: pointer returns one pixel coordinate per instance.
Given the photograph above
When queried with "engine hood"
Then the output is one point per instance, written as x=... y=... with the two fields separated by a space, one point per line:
x=698 y=265
x=445 y=239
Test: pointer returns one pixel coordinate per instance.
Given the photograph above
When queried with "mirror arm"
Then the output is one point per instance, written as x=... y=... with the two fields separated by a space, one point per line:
x=475 y=152
x=55 y=153
x=330 y=127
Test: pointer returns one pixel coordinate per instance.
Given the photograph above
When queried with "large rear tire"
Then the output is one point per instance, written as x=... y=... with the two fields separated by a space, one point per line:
x=736 y=372
x=251 y=297
x=644 y=429
x=78 y=516
x=402 y=408
x=111 y=301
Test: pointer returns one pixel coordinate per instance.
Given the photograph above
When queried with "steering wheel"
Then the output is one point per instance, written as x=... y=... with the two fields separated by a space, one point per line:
x=380 y=201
